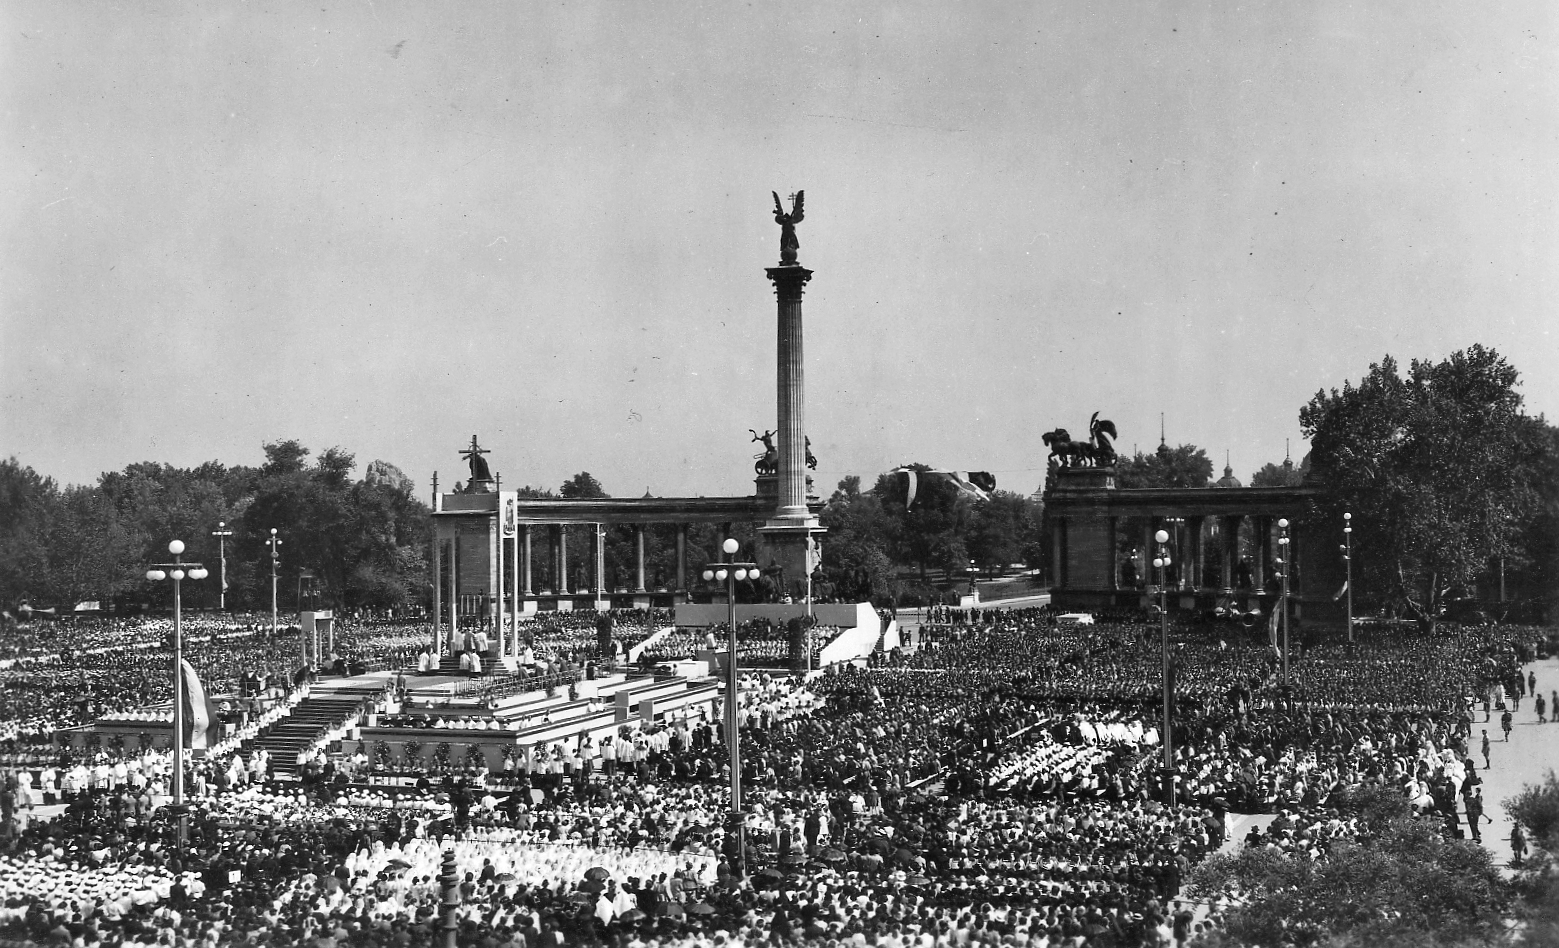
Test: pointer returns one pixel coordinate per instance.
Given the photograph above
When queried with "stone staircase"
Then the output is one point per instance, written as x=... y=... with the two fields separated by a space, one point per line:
x=324 y=709
x=450 y=664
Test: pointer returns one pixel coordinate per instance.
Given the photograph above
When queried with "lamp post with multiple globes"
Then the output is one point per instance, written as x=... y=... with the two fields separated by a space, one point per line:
x=1347 y=559
x=222 y=533
x=1162 y=562
x=275 y=544
x=729 y=573
x=1283 y=546
x=178 y=571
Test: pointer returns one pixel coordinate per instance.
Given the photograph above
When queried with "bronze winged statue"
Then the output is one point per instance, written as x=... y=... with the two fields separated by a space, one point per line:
x=1101 y=431
x=788 y=242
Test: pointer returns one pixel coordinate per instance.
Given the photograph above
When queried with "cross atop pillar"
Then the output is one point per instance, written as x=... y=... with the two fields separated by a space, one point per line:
x=481 y=476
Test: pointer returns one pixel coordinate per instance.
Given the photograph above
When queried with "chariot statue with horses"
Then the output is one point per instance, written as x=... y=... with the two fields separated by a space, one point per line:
x=1097 y=451
x=766 y=463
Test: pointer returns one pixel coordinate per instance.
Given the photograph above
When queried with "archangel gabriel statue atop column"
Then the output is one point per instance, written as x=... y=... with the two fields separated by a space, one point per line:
x=788 y=242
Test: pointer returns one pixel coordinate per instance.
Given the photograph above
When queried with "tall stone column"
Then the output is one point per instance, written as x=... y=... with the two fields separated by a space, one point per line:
x=786 y=539
x=789 y=282
x=1148 y=574
x=682 y=557
x=1231 y=552
x=494 y=576
x=438 y=589
x=1261 y=535
x=598 y=547
x=1198 y=551
x=638 y=558
x=1111 y=557
x=454 y=588
x=525 y=560
x=562 y=578
x=516 y=600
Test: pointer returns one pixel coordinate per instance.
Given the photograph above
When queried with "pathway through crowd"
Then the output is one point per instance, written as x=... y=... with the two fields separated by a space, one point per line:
x=1533 y=750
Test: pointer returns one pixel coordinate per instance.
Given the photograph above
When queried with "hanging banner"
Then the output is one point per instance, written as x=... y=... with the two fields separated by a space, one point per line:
x=200 y=713
x=510 y=516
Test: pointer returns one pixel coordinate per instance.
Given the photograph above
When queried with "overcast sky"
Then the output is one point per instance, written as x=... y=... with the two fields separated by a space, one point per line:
x=391 y=226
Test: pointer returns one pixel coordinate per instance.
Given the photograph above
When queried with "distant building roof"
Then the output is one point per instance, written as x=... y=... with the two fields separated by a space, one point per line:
x=1228 y=479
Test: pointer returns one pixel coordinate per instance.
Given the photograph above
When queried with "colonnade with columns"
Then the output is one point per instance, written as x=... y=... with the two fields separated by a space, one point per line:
x=509 y=560
x=1188 y=546
x=1096 y=531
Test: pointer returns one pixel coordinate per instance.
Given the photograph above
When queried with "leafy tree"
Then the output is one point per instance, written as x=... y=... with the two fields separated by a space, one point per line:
x=94 y=553
x=1185 y=466
x=582 y=486
x=1532 y=573
x=334 y=467
x=1407 y=886
x=1280 y=475
x=1536 y=807
x=283 y=457
x=27 y=505
x=855 y=564
x=929 y=532
x=1005 y=529
x=1430 y=466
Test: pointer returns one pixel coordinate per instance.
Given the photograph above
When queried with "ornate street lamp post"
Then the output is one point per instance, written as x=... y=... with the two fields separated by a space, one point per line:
x=222 y=533
x=1162 y=563
x=1283 y=562
x=1347 y=559
x=275 y=545
x=730 y=573
x=178 y=571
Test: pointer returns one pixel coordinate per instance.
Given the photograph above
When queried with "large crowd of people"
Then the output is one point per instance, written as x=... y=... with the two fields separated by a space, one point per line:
x=1002 y=784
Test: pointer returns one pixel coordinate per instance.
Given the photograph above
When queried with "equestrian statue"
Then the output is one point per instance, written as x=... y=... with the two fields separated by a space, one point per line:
x=1095 y=452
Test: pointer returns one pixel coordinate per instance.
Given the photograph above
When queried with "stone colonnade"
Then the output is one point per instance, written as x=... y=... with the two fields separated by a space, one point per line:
x=1223 y=544
x=511 y=567
x=1188 y=551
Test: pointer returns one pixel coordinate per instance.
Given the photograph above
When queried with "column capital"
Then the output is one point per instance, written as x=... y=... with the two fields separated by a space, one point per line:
x=789 y=281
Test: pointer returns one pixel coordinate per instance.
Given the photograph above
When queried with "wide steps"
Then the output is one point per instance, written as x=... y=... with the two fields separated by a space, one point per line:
x=296 y=731
x=450 y=664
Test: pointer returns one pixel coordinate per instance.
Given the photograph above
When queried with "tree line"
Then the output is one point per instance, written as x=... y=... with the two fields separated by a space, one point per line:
x=345 y=541
x=1453 y=490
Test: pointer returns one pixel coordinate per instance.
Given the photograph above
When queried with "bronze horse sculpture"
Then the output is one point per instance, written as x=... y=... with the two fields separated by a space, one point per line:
x=1064 y=452
x=1096 y=452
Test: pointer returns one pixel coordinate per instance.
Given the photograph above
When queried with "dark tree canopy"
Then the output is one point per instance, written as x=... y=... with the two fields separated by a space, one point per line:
x=1433 y=468
x=366 y=541
x=582 y=486
x=1280 y=475
x=1184 y=466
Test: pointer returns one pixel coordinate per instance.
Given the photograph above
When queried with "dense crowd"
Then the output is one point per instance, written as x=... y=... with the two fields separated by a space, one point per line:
x=1001 y=785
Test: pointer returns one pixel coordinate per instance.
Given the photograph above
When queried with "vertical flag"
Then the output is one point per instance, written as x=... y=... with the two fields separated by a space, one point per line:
x=200 y=714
